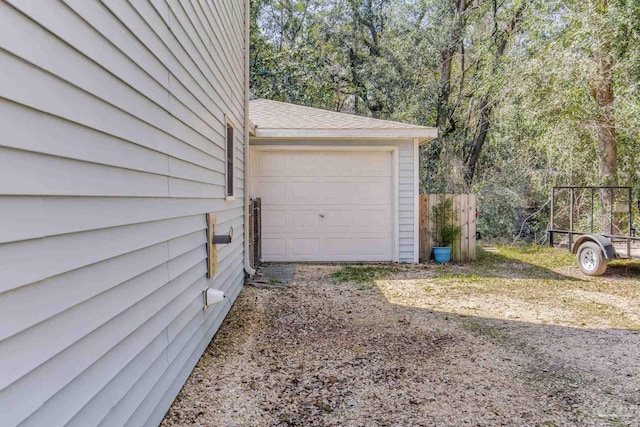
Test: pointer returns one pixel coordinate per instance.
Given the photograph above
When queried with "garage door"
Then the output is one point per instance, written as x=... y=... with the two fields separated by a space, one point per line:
x=324 y=206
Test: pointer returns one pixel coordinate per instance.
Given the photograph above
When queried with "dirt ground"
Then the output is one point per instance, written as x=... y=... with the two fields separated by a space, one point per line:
x=514 y=340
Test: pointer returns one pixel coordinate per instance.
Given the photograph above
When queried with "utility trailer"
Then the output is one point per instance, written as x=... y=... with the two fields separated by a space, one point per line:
x=595 y=223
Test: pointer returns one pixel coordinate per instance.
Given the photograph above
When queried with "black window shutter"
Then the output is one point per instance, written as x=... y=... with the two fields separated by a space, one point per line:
x=229 y=160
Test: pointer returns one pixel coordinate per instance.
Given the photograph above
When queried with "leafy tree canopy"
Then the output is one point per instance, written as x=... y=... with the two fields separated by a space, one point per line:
x=526 y=94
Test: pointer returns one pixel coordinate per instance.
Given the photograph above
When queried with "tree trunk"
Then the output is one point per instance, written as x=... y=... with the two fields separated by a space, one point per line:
x=602 y=91
x=486 y=103
x=444 y=121
x=458 y=8
x=476 y=148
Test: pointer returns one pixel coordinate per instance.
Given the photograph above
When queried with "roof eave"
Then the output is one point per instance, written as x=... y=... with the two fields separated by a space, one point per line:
x=423 y=134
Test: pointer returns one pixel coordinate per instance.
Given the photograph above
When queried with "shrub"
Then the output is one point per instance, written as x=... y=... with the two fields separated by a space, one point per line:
x=445 y=233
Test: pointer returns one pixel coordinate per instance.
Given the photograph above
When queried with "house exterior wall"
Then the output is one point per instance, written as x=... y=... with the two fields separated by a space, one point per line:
x=407 y=193
x=112 y=151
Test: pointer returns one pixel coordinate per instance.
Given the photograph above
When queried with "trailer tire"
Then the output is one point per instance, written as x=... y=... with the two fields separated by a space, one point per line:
x=591 y=259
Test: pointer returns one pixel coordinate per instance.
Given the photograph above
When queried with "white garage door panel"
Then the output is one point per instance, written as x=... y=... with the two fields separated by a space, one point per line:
x=330 y=248
x=324 y=206
x=322 y=164
x=274 y=191
x=360 y=219
x=304 y=220
x=367 y=247
x=305 y=246
x=274 y=247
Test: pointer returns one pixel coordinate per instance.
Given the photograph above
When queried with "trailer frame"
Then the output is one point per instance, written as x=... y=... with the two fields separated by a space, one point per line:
x=611 y=245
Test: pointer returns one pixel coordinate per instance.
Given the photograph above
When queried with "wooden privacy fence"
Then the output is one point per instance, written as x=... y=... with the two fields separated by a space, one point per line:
x=463 y=215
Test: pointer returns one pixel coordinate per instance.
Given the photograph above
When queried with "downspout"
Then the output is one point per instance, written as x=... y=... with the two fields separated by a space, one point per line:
x=247 y=17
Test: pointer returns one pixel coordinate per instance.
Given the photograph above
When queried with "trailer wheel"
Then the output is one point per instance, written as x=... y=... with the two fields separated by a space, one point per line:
x=591 y=259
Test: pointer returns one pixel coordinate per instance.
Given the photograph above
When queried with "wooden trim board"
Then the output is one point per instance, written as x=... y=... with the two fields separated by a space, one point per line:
x=212 y=253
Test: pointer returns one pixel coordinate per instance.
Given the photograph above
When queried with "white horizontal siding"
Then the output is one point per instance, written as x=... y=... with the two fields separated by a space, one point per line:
x=406 y=192
x=112 y=153
x=53 y=216
x=407 y=199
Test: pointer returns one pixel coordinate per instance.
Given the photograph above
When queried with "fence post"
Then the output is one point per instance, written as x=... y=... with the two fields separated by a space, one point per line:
x=424 y=225
x=455 y=218
x=464 y=227
x=473 y=206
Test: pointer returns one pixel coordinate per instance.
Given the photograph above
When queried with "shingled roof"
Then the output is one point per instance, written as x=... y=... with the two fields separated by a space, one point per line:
x=273 y=119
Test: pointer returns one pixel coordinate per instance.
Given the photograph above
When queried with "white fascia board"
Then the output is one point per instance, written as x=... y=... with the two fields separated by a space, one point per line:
x=422 y=134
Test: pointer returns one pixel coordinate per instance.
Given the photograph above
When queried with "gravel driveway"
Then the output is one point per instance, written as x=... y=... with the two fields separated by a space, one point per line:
x=395 y=351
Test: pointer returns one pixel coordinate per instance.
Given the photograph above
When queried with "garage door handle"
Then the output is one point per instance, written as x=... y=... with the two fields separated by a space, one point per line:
x=321 y=215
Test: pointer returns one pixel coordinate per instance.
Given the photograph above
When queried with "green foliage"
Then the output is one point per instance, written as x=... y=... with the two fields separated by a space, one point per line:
x=385 y=59
x=445 y=232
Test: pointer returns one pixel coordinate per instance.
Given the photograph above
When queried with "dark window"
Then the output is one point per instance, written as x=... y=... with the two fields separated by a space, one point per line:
x=230 y=154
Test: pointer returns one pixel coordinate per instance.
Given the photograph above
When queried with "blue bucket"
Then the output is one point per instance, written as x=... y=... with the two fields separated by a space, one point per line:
x=442 y=255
